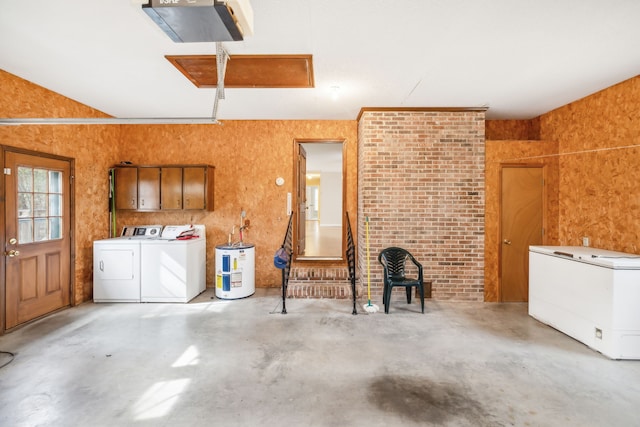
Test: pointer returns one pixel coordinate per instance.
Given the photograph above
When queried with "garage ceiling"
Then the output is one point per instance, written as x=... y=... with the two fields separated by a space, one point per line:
x=519 y=58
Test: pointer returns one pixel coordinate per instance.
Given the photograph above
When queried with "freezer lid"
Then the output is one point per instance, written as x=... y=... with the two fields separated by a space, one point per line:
x=595 y=256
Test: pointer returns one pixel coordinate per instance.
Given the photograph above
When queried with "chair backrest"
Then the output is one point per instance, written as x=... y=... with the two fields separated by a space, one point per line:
x=394 y=260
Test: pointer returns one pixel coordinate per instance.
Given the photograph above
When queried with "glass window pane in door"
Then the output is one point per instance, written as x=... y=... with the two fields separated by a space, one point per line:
x=25 y=205
x=40 y=229
x=55 y=182
x=39 y=205
x=25 y=179
x=55 y=205
x=25 y=230
x=55 y=228
x=40 y=180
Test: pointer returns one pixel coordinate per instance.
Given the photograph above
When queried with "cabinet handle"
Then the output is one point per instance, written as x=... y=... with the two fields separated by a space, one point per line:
x=186 y=202
x=101 y=265
x=133 y=202
x=141 y=202
x=506 y=242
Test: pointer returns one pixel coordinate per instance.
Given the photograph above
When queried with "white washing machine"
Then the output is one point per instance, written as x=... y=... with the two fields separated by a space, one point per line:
x=116 y=264
x=173 y=267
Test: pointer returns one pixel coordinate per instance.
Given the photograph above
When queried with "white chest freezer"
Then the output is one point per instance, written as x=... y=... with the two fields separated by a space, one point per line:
x=592 y=295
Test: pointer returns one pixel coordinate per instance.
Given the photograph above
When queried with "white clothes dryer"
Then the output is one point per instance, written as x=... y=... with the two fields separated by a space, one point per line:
x=116 y=270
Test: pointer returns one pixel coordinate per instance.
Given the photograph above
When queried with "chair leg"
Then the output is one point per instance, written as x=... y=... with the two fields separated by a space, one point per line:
x=384 y=294
x=387 y=298
x=408 y=290
x=422 y=297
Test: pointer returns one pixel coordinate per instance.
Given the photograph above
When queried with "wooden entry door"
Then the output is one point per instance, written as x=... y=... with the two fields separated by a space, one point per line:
x=37 y=247
x=522 y=195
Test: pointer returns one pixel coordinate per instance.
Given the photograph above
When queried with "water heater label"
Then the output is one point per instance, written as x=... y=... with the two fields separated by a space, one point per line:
x=236 y=280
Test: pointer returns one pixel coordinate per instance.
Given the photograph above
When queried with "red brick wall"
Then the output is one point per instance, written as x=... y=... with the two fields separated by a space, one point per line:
x=421 y=183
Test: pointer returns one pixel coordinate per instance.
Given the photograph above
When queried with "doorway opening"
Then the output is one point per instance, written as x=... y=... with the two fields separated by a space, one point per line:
x=319 y=199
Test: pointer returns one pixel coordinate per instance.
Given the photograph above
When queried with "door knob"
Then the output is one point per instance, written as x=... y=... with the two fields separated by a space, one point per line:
x=12 y=253
x=506 y=242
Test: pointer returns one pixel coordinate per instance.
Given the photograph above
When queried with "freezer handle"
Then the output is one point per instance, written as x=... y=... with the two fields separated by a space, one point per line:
x=567 y=254
x=101 y=265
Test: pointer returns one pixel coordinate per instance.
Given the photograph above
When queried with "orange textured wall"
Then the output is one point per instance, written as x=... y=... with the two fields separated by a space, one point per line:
x=94 y=148
x=515 y=152
x=596 y=139
x=512 y=129
x=248 y=156
x=599 y=153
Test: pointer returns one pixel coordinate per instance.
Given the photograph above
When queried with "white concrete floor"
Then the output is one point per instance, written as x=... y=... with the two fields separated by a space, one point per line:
x=242 y=363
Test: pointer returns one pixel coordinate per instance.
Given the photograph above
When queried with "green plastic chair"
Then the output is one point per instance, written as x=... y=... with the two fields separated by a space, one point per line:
x=394 y=261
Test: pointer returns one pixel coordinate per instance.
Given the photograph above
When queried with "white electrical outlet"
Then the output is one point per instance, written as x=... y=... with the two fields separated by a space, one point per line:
x=585 y=241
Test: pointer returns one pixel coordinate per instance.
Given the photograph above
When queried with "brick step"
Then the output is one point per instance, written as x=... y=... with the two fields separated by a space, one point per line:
x=317 y=282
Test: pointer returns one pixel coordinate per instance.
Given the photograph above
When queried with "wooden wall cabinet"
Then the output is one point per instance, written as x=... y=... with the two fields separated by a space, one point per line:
x=194 y=188
x=148 y=189
x=164 y=188
x=137 y=188
x=126 y=188
x=171 y=188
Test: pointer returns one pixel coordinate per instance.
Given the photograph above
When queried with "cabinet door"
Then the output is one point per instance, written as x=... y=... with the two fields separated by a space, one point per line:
x=171 y=188
x=126 y=188
x=193 y=188
x=148 y=189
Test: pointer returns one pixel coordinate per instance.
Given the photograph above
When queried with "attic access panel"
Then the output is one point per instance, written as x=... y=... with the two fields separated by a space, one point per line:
x=248 y=71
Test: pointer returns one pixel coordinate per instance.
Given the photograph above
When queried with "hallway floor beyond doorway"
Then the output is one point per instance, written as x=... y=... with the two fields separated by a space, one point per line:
x=242 y=363
x=322 y=241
